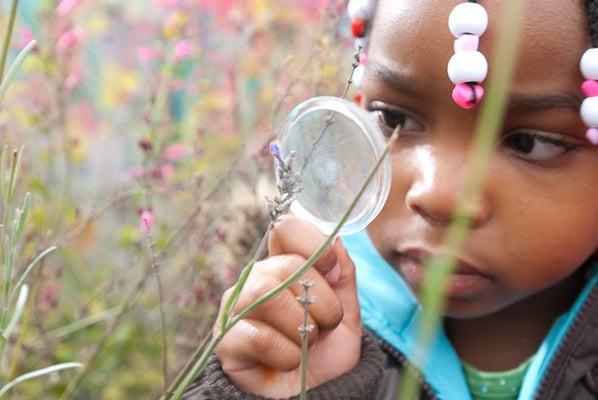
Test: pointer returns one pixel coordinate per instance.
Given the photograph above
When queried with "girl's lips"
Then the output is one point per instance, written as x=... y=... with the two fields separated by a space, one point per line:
x=464 y=282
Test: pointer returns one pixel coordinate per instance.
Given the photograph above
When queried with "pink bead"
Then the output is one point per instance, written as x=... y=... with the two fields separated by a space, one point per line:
x=363 y=58
x=467 y=97
x=592 y=136
x=467 y=43
x=590 y=88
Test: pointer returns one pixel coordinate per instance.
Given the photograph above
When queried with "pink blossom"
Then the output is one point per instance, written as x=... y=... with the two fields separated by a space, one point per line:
x=67 y=41
x=166 y=171
x=146 y=54
x=175 y=152
x=146 y=221
x=26 y=37
x=49 y=295
x=228 y=275
x=183 y=50
x=166 y=3
x=73 y=79
x=184 y=299
x=66 y=6
x=198 y=291
x=136 y=172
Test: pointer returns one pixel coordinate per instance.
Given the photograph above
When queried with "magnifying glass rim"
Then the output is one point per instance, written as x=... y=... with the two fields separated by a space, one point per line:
x=375 y=139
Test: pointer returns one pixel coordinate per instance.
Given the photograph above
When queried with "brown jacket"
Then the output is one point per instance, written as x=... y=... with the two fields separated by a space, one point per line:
x=572 y=373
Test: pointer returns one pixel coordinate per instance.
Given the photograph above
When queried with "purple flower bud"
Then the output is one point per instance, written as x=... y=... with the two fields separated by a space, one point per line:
x=275 y=150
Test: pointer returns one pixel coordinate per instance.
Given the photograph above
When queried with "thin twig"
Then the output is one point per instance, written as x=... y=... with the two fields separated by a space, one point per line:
x=154 y=263
x=8 y=37
x=304 y=330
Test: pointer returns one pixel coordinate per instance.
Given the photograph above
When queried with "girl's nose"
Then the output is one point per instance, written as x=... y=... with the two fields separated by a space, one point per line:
x=436 y=187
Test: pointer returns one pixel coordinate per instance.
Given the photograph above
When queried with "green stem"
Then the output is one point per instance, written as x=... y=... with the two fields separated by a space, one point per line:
x=186 y=381
x=234 y=297
x=492 y=113
x=8 y=37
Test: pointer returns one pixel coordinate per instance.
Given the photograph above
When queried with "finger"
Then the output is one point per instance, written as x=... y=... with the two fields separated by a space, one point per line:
x=251 y=342
x=283 y=312
x=327 y=310
x=346 y=288
x=295 y=236
x=225 y=296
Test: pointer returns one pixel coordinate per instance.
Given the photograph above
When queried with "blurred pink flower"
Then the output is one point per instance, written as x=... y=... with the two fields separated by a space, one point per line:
x=228 y=275
x=48 y=295
x=73 y=79
x=175 y=152
x=166 y=171
x=66 y=6
x=183 y=299
x=183 y=50
x=146 y=54
x=136 y=172
x=166 y=3
x=26 y=37
x=197 y=292
x=67 y=41
x=221 y=7
x=146 y=221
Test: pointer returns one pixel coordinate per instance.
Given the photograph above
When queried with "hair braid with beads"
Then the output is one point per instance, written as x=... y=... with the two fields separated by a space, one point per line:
x=592 y=9
x=467 y=71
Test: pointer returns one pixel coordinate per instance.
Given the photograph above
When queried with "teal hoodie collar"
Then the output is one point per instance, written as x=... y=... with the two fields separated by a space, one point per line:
x=392 y=312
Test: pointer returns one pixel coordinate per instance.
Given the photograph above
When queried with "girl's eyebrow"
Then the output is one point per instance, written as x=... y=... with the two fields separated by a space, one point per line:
x=537 y=103
x=407 y=83
x=399 y=80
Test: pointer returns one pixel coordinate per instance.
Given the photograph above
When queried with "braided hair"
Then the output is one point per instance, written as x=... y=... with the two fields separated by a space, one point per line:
x=592 y=9
x=592 y=12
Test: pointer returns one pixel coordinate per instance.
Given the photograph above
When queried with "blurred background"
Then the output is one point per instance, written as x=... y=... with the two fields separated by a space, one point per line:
x=145 y=126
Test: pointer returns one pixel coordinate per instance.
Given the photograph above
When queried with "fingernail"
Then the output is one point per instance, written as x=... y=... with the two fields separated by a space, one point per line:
x=334 y=275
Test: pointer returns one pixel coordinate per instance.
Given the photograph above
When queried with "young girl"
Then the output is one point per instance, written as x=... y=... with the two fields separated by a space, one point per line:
x=521 y=319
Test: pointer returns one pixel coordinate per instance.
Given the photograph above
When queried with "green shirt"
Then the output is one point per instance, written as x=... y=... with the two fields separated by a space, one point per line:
x=503 y=385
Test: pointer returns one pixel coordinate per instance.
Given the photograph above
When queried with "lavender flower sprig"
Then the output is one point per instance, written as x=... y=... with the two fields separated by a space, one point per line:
x=304 y=330
x=187 y=376
x=289 y=184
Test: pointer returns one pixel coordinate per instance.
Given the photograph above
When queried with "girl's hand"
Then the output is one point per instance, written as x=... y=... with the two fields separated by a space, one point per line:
x=262 y=353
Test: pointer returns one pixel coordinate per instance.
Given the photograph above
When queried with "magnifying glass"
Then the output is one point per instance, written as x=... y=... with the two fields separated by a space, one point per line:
x=336 y=145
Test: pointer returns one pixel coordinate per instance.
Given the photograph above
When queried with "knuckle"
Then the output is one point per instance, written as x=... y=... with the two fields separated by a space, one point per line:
x=254 y=289
x=335 y=314
x=280 y=266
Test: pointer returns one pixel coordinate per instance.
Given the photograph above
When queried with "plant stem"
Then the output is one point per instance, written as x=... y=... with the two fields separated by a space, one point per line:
x=8 y=37
x=438 y=270
x=234 y=297
x=198 y=366
x=305 y=329
x=154 y=263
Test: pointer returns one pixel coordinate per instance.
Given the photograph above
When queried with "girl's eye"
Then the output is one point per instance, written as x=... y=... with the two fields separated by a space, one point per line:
x=389 y=117
x=537 y=147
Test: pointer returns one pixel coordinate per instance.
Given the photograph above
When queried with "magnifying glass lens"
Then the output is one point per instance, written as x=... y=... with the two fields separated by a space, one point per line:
x=336 y=144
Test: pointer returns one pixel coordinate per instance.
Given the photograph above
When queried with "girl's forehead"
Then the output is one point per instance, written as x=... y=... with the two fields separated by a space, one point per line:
x=415 y=35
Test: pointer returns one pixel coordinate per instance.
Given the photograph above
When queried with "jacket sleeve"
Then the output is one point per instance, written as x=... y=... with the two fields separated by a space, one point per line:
x=360 y=383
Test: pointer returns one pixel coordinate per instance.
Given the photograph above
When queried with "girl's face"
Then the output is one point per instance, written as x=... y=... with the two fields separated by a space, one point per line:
x=536 y=221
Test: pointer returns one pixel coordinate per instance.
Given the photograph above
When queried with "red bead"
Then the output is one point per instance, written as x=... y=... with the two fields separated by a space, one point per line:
x=358 y=27
x=358 y=97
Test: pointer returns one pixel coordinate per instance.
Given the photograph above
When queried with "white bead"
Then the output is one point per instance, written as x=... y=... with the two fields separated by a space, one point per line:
x=589 y=112
x=467 y=66
x=469 y=18
x=358 y=76
x=361 y=9
x=589 y=64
